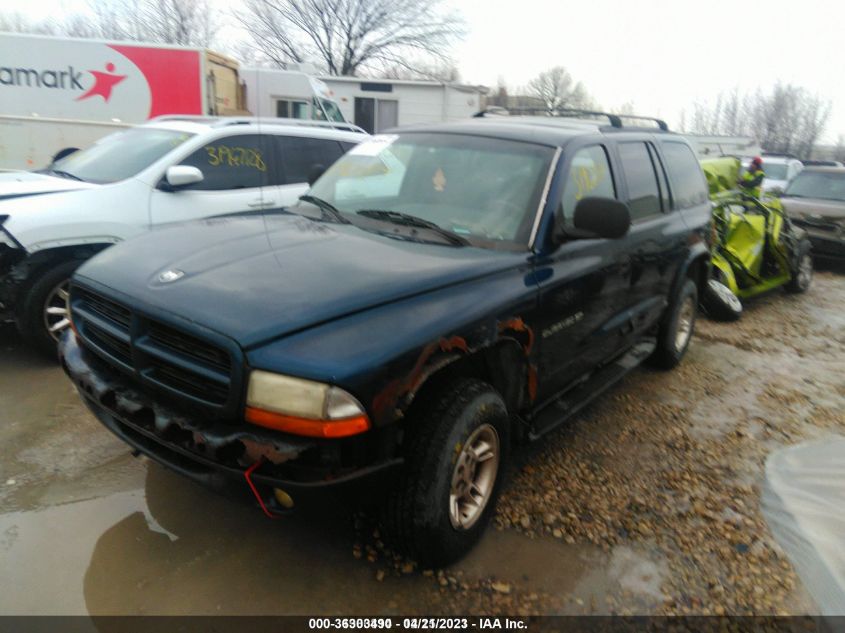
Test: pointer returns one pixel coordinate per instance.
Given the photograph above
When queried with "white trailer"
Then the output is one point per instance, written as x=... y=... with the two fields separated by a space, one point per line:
x=57 y=93
x=289 y=94
x=379 y=104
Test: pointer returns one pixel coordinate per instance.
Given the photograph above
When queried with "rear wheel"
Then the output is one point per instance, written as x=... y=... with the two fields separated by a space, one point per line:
x=676 y=330
x=802 y=273
x=720 y=302
x=454 y=461
x=45 y=312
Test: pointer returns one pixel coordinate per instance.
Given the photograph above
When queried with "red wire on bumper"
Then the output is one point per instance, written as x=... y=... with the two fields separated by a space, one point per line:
x=247 y=475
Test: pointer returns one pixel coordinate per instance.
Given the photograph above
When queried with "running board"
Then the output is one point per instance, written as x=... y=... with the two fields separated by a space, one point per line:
x=571 y=402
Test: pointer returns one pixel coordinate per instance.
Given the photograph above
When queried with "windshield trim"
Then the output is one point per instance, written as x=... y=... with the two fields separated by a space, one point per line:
x=544 y=198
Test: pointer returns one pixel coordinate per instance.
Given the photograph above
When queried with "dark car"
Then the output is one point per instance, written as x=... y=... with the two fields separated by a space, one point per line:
x=815 y=201
x=441 y=294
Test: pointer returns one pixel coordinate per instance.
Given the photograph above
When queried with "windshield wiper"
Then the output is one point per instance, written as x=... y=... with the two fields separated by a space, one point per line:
x=64 y=174
x=406 y=219
x=326 y=207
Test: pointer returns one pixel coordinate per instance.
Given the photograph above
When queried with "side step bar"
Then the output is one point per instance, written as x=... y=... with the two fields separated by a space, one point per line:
x=571 y=402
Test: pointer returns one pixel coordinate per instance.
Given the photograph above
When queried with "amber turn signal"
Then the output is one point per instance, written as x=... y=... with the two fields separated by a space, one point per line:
x=343 y=427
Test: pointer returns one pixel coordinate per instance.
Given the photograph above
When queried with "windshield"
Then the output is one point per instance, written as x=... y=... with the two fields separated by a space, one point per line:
x=332 y=111
x=475 y=187
x=775 y=171
x=119 y=156
x=818 y=184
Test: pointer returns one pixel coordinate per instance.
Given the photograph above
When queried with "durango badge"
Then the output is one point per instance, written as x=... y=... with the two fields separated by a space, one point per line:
x=169 y=276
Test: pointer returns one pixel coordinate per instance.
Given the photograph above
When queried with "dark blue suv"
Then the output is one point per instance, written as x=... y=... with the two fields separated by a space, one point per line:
x=440 y=294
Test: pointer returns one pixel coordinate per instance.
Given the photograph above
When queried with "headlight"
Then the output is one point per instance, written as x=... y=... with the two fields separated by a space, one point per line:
x=303 y=407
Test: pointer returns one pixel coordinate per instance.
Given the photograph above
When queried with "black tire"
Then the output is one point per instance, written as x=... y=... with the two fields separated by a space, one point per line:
x=720 y=303
x=802 y=272
x=30 y=318
x=417 y=517
x=671 y=346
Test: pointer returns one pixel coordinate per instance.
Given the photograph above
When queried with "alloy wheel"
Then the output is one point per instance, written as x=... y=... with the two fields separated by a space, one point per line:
x=474 y=477
x=57 y=309
x=685 y=320
x=805 y=271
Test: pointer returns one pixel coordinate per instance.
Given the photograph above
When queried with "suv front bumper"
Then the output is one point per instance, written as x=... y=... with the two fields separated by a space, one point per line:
x=216 y=455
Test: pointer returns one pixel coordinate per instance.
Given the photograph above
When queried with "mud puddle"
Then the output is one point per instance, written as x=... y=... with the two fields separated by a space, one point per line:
x=174 y=548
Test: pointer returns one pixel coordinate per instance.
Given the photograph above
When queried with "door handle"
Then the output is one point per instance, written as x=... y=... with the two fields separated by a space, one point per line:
x=260 y=204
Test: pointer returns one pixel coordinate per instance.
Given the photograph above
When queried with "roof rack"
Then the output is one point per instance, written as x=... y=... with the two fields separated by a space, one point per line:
x=223 y=121
x=614 y=119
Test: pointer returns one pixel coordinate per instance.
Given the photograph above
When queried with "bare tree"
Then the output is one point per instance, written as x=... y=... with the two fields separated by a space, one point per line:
x=839 y=150
x=14 y=22
x=77 y=25
x=183 y=22
x=443 y=72
x=625 y=108
x=557 y=90
x=349 y=36
x=788 y=119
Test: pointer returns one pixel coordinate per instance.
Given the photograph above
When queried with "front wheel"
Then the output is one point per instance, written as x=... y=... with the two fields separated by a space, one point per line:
x=802 y=274
x=455 y=457
x=720 y=303
x=675 y=333
x=44 y=314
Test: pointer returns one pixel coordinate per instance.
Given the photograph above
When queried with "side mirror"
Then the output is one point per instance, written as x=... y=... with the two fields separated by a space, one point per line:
x=315 y=173
x=182 y=175
x=600 y=217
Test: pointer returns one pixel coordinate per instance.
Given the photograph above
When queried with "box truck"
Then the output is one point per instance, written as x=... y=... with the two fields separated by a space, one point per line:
x=63 y=93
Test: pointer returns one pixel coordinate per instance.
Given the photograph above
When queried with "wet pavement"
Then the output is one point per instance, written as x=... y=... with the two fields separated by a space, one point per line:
x=85 y=528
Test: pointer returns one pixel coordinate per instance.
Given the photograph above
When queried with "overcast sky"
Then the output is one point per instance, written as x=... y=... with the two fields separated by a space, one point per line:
x=662 y=55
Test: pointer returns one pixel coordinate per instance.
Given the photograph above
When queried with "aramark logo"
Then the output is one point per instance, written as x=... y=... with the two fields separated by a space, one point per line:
x=103 y=83
x=68 y=79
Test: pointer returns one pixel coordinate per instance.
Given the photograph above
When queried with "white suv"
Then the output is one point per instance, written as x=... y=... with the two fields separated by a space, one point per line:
x=168 y=170
x=780 y=171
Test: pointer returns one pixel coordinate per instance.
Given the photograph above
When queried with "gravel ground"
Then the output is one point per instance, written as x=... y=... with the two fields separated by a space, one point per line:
x=646 y=503
x=664 y=474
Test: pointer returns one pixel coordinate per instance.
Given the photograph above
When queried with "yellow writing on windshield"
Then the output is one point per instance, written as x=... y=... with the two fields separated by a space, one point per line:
x=587 y=179
x=235 y=157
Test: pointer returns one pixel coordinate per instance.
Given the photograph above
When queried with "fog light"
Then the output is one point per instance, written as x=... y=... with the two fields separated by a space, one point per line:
x=284 y=499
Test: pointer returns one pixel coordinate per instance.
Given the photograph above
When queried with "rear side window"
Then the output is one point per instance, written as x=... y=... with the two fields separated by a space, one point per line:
x=688 y=185
x=235 y=162
x=589 y=175
x=300 y=154
x=640 y=175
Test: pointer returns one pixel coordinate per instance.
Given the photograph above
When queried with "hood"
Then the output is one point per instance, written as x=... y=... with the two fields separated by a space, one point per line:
x=808 y=207
x=255 y=278
x=15 y=184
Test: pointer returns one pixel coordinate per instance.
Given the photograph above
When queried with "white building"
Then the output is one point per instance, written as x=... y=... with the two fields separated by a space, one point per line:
x=379 y=104
x=713 y=146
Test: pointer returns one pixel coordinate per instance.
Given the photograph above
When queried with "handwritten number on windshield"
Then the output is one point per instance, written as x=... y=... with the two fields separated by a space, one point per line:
x=235 y=157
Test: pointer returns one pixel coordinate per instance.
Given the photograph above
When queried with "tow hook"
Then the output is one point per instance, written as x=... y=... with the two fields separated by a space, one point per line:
x=280 y=496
